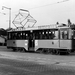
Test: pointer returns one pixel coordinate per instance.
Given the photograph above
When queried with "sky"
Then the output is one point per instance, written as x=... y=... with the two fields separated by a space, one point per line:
x=46 y=12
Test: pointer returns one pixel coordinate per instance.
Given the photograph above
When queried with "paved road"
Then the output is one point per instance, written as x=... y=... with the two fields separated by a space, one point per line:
x=19 y=63
x=63 y=60
x=17 y=67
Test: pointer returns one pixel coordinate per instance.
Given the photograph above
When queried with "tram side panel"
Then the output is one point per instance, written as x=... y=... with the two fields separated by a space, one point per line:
x=68 y=45
x=10 y=44
x=17 y=43
x=46 y=44
x=62 y=45
x=65 y=45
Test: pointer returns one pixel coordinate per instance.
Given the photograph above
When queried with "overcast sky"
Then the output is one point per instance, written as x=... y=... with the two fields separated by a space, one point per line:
x=42 y=12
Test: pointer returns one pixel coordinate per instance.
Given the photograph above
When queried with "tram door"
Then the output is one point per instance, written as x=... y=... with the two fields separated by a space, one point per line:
x=65 y=43
x=31 y=42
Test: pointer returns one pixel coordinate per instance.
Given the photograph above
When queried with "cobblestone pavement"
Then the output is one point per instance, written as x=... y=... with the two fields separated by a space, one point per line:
x=17 y=67
x=63 y=60
x=21 y=63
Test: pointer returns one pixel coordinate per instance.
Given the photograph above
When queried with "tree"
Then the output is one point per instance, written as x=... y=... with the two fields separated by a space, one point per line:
x=8 y=29
x=3 y=32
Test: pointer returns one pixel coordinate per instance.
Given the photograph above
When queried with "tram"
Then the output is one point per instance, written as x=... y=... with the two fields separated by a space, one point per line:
x=50 y=38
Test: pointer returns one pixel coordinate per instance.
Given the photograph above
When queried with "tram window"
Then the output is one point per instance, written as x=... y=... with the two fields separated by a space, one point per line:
x=37 y=34
x=18 y=35
x=24 y=36
x=42 y=32
x=21 y=35
x=70 y=34
x=9 y=36
x=53 y=35
x=64 y=34
x=61 y=35
x=14 y=35
x=46 y=34
x=56 y=35
x=27 y=35
x=73 y=34
x=43 y=35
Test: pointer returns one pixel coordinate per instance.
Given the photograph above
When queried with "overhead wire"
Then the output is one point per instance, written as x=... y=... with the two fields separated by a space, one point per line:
x=44 y=5
x=39 y=6
x=48 y=4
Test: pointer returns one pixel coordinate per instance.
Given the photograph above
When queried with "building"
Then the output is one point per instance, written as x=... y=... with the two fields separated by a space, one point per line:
x=2 y=41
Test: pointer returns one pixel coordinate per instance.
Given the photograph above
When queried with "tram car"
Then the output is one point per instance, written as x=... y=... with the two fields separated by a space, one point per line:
x=50 y=38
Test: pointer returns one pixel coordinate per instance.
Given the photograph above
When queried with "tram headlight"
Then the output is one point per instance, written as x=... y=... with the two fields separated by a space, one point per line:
x=36 y=42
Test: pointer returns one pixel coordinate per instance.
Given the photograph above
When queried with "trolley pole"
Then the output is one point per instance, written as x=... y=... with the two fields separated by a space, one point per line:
x=9 y=15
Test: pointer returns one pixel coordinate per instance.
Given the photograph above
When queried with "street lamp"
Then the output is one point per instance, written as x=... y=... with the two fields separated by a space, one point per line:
x=9 y=15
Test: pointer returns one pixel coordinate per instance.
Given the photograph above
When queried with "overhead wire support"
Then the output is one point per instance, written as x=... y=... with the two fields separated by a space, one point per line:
x=3 y=7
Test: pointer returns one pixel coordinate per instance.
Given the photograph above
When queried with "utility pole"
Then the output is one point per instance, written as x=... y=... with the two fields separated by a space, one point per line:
x=9 y=15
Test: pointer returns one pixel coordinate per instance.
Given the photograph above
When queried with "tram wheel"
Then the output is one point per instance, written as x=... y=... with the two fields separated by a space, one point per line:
x=49 y=51
x=24 y=50
x=20 y=49
x=67 y=53
x=14 y=49
x=53 y=51
x=43 y=50
x=57 y=52
x=17 y=49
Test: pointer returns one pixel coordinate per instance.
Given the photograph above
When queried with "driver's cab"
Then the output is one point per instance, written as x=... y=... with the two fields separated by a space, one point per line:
x=67 y=38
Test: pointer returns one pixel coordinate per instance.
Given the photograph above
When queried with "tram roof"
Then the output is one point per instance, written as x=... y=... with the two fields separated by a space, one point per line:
x=55 y=26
